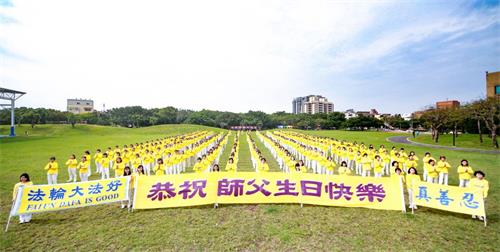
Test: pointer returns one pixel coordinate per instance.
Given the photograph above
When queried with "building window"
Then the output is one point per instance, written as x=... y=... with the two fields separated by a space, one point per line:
x=497 y=89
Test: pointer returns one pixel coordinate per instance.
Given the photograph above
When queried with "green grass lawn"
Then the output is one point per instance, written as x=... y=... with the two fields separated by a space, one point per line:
x=230 y=227
x=463 y=141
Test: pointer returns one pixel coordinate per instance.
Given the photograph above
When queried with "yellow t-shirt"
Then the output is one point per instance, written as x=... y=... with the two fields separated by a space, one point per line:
x=52 y=168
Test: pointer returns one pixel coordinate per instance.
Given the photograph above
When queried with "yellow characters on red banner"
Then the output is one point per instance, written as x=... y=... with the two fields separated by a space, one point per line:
x=43 y=198
x=464 y=200
x=250 y=187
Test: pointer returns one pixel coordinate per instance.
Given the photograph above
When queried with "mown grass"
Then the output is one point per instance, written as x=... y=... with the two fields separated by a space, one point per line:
x=464 y=141
x=230 y=227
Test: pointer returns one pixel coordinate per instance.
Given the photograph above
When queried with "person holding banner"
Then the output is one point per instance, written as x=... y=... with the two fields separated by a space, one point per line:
x=24 y=180
x=119 y=167
x=128 y=172
x=52 y=169
x=464 y=173
x=344 y=170
x=160 y=167
x=442 y=168
x=411 y=179
x=83 y=167
x=72 y=163
x=480 y=183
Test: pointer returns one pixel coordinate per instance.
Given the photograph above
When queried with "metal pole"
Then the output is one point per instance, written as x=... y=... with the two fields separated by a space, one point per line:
x=12 y=133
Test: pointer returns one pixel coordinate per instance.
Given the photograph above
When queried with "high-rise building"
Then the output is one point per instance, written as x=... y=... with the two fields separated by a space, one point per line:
x=80 y=106
x=311 y=104
x=493 y=84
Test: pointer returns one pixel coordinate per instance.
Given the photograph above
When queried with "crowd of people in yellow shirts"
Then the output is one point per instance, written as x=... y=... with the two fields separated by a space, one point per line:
x=294 y=152
x=305 y=153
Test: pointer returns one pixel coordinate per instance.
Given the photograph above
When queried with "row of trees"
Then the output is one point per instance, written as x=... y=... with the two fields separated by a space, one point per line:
x=136 y=116
x=477 y=117
x=482 y=116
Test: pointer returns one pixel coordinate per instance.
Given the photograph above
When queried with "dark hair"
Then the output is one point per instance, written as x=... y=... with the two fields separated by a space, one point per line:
x=142 y=169
x=479 y=172
x=25 y=175
x=125 y=171
x=397 y=169
x=343 y=163
x=465 y=161
x=395 y=162
x=416 y=173
x=52 y=158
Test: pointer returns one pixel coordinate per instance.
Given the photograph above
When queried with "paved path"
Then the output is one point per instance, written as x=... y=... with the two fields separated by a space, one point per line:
x=405 y=140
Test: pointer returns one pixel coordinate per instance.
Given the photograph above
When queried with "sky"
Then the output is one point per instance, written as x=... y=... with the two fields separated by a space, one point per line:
x=394 y=56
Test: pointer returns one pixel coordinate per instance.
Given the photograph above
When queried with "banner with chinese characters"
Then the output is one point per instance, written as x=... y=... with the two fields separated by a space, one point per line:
x=271 y=187
x=43 y=198
x=464 y=200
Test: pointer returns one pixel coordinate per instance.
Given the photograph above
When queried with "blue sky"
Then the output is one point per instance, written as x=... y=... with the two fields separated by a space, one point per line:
x=395 y=56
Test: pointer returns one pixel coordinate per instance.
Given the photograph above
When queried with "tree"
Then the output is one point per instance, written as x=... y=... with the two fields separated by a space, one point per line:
x=434 y=119
x=489 y=112
x=455 y=116
x=71 y=119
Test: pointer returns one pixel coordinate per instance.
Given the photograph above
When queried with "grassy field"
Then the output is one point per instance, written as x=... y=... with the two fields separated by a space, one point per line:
x=230 y=227
x=463 y=141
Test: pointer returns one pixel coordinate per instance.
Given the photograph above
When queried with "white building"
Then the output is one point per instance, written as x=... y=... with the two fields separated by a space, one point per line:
x=311 y=104
x=80 y=106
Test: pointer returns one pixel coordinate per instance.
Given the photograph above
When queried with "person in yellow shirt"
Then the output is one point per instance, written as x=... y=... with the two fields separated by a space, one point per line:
x=89 y=158
x=432 y=172
x=263 y=166
x=398 y=173
x=378 y=166
x=147 y=162
x=482 y=185
x=52 y=169
x=443 y=166
x=359 y=165
x=303 y=167
x=464 y=173
x=119 y=166
x=136 y=161
x=344 y=169
x=411 y=162
x=160 y=167
x=215 y=168
x=426 y=159
x=127 y=172
x=105 y=165
x=231 y=166
x=411 y=179
x=71 y=164
x=24 y=180
x=366 y=162
x=329 y=165
x=83 y=167
x=97 y=160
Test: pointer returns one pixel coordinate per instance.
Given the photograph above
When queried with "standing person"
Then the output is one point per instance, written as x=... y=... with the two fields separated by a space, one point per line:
x=231 y=166
x=343 y=169
x=329 y=165
x=215 y=168
x=367 y=165
x=378 y=166
x=52 y=169
x=24 y=180
x=443 y=166
x=359 y=165
x=481 y=184
x=148 y=161
x=105 y=165
x=411 y=179
x=426 y=160
x=119 y=166
x=83 y=168
x=263 y=166
x=432 y=173
x=97 y=160
x=160 y=167
x=464 y=173
x=71 y=164
x=127 y=172
x=88 y=158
